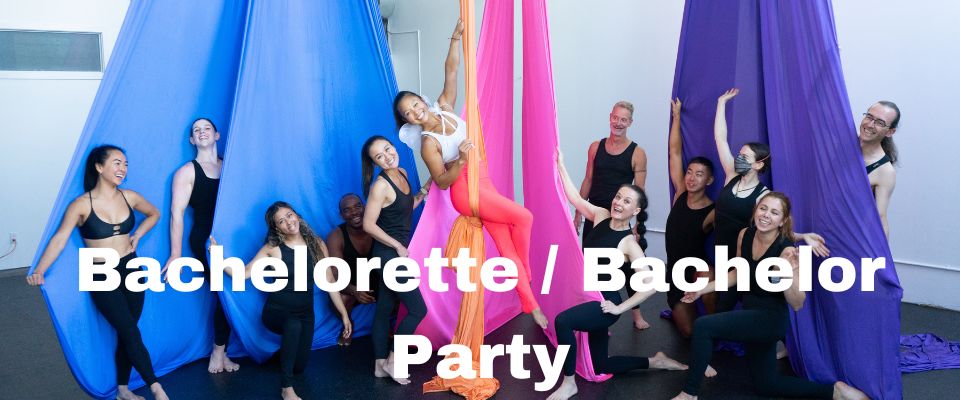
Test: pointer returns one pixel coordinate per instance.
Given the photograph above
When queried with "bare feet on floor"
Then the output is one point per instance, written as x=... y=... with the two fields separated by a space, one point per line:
x=124 y=393
x=638 y=322
x=661 y=361
x=384 y=369
x=219 y=362
x=567 y=389
x=540 y=318
x=158 y=393
x=843 y=391
x=288 y=394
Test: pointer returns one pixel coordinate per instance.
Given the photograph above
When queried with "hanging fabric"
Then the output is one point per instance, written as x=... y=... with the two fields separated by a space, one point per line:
x=157 y=82
x=302 y=112
x=784 y=58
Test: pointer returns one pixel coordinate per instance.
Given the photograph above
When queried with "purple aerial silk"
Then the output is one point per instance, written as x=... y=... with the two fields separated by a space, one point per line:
x=925 y=352
x=783 y=55
x=541 y=186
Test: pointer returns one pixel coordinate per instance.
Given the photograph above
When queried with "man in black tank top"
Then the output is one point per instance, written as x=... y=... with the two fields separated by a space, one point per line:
x=196 y=184
x=349 y=241
x=612 y=162
x=880 y=154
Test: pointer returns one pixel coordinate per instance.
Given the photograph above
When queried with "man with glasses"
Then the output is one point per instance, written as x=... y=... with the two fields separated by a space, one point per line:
x=612 y=162
x=880 y=154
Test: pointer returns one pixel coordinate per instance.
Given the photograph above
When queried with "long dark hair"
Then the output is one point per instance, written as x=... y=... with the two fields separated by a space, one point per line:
x=785 y=230
x=97 y=156
x=642 y=203
x=761 y=153
x=274 y=238
x=367 y=163
x=886 y=143
x=396 y=106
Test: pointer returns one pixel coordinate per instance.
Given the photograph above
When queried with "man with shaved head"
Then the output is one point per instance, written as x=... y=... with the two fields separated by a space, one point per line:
x=349 y=242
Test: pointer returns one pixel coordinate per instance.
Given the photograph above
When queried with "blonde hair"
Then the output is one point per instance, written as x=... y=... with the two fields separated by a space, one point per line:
x=626 y=105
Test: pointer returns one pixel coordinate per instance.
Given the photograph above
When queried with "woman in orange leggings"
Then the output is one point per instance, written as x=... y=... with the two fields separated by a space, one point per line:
x=441 y=138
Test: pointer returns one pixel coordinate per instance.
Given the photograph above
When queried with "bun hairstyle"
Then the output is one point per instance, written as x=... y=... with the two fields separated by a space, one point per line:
x=642 y=215
x=274 y=238
x=190 y=129
x=97 y=156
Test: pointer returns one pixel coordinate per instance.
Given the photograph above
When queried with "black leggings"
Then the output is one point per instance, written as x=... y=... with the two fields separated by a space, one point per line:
x=221 y=328
x=760 y=328
x=386 y=300
x=590 y=318
x=122 y=308
x=296 y=339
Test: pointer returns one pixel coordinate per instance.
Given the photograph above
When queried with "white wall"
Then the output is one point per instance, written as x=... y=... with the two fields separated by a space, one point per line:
x=602 y=52
x=620 y=49
x=907 y=52
x=42 y=115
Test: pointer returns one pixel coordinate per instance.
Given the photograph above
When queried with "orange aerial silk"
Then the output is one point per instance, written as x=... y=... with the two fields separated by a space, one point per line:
x=467 y=232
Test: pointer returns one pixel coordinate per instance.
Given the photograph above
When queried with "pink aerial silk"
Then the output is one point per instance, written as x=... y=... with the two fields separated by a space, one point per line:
x=541 y=183
x=542 y=187
x=495 y=85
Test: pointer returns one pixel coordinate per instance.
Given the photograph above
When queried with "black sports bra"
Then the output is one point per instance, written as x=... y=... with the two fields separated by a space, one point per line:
x=94 y=228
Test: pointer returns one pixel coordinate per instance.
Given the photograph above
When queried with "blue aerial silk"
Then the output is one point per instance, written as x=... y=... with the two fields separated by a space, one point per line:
x=315 y=82
x=783 y=56
x=294 y=88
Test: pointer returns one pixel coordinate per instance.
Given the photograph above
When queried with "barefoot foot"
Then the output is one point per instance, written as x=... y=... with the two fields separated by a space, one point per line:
x=540 y=318
x=567 y=389
x=684 y=396
x=287 y=393
x=216 y=359
x=710 y=372
x=661 y=361
x=781 y=351
x=158 y=393
x=843 y=391
x=638 y=322
x=124 y=393
x=229 y=365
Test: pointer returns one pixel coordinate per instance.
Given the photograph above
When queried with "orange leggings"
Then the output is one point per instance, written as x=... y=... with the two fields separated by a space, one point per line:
x=507 y=222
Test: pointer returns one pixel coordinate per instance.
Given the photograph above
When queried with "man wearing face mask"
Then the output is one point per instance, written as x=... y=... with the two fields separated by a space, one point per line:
x=880 y=154
x=611 y=163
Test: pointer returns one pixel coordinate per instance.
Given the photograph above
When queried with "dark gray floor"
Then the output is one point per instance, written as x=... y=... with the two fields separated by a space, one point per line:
x=32 y=364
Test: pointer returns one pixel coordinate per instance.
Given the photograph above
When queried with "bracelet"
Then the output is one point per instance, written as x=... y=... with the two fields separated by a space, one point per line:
x=453 y=38
x=423 y=191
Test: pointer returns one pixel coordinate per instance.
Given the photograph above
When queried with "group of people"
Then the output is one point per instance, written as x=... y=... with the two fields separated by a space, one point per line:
x=748 y=217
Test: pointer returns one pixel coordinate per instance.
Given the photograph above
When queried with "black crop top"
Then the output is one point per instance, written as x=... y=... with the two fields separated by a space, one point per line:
x=95 y=228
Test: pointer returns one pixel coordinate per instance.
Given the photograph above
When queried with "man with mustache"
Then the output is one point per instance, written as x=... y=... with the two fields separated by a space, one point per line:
x=880 y=154
x=612 y=162
x=349 y=241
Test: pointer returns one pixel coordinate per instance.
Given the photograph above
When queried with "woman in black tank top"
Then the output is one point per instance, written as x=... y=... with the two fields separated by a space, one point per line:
x=194 y=187
x=764 y=318
x=105 y=170
x=288 y=312
x=611 y=230
x=387 y=217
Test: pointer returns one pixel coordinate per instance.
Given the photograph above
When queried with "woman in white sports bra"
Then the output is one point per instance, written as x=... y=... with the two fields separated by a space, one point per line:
x=440 y=136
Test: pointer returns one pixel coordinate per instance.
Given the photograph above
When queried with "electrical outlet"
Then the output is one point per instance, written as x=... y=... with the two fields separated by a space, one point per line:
x=13 y=237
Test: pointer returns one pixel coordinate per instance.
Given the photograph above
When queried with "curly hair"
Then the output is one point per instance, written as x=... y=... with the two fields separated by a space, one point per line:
x=274 y=238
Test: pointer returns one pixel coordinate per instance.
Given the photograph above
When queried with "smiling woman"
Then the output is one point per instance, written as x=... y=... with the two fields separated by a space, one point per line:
x=105 y=170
